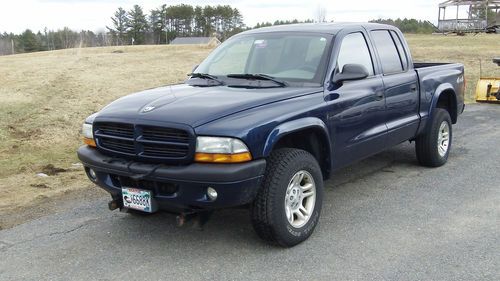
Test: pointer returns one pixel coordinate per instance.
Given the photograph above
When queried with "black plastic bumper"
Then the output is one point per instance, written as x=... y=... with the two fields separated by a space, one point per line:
x=178 y=188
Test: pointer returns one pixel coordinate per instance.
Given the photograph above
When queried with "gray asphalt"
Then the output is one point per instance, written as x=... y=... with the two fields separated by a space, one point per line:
x=385 y=218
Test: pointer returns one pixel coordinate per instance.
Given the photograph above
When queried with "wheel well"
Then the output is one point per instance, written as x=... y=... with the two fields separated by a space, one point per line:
x=448 y=101
x=313 y=141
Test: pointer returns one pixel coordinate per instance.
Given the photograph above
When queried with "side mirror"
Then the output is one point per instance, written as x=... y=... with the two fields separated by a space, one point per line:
x=351 y=72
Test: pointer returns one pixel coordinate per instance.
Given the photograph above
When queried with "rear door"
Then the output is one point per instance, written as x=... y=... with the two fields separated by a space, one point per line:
x=401 y=86
x=356 y=109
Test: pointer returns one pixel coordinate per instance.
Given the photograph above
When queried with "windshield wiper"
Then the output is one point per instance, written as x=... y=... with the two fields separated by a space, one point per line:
x=258 y=76
x=206 y=76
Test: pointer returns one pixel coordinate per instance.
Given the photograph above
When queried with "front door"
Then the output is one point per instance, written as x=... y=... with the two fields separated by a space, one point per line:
x=356 y=109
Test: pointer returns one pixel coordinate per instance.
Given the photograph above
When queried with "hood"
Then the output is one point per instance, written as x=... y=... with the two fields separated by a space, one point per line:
x=194 y=106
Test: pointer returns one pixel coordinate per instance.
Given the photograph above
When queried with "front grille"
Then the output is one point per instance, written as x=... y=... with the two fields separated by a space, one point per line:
x=118 y=145
x=141 y=142
x=156 y=150
x=118 y=130
x=164 y=134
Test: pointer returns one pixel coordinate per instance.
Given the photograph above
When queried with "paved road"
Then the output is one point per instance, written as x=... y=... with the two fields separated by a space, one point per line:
x=385 y=218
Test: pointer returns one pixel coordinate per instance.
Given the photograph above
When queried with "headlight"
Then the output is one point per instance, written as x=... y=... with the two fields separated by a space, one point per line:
x=221 y=150
x=88 y=135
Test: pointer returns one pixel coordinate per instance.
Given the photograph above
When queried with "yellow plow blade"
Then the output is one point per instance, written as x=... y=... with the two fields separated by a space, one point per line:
x=488 y=90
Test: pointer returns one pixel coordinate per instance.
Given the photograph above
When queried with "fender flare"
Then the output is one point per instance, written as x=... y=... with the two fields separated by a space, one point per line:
x=446 y=87
x=293 y=126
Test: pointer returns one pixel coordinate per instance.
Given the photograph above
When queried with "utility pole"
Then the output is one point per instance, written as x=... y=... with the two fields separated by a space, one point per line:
x=166 y=29
x=486 y=12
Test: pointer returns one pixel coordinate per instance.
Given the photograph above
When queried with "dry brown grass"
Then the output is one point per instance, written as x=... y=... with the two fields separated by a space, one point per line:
x=468 y=50
x=44 y=98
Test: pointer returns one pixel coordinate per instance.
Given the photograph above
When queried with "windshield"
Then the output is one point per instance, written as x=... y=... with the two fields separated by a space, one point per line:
x=285 y=56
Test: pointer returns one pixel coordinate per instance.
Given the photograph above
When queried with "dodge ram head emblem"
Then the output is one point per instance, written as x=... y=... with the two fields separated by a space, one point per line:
x=148 y=109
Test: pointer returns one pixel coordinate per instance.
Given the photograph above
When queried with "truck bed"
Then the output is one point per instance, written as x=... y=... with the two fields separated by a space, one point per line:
x=417 y=65
x=436 y=77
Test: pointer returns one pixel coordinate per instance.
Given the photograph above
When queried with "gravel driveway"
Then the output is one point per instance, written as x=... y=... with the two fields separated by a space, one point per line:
x=385 y=218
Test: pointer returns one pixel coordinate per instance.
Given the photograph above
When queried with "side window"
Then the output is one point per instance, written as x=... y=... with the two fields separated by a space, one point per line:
x=401 y=50
x=387 y=51
x=354 y=50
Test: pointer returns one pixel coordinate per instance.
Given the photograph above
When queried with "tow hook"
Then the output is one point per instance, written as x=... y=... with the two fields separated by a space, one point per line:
x=113 y=205
x=199 y=219
x=181 y=219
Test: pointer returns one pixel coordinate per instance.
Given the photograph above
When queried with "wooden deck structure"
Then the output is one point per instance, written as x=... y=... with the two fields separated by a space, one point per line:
x=477 y=19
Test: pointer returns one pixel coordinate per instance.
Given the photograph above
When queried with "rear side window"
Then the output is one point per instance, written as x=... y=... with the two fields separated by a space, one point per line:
x=401 y=50
x=387 y=51
x=354 y=50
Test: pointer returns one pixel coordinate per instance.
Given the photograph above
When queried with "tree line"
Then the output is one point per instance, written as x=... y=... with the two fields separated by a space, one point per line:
x=409 y=25
x=281 y=22
x=159 y=26
x=48 y=40
x=165 y=23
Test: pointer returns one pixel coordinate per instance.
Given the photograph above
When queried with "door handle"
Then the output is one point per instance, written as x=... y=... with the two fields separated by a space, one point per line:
x=331 y=97
x=413 y=88
x=379 y=95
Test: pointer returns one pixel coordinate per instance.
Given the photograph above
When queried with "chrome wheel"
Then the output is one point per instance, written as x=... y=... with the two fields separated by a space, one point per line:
x=443 y=138
x=300 y=198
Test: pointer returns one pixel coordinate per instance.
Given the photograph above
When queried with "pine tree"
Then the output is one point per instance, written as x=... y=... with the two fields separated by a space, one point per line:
x=120 y=26
x=29 y=42
x=199 y=21
x=138 y=25
x=157 y=23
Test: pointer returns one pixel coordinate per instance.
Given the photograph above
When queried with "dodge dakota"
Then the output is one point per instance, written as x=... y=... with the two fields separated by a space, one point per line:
x=266 y=118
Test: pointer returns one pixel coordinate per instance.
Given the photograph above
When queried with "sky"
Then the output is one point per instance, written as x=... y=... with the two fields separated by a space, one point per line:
x=18 y=15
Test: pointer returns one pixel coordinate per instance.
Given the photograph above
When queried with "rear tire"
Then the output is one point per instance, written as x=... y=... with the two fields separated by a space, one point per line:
x=288 y=206
x=433 y=147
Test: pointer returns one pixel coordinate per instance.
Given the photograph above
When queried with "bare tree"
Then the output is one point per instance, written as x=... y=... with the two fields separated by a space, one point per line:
x=320 y=14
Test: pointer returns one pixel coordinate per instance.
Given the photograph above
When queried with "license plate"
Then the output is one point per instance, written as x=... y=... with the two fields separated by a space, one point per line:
x=137 y=199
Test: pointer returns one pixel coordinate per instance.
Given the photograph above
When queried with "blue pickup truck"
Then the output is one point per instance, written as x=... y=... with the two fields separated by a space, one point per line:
x=266 y=118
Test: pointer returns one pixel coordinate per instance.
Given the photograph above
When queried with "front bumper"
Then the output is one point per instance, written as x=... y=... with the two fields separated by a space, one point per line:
x=178 y=188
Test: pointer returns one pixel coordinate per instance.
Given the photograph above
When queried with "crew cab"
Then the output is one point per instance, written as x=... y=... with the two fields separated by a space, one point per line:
x=266 y=118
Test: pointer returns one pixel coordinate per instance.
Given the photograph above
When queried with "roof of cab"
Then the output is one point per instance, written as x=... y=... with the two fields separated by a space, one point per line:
x=329 y=28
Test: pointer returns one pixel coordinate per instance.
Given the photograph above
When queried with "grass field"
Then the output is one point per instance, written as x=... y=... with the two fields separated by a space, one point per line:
x=469 y=50
x=44 y=98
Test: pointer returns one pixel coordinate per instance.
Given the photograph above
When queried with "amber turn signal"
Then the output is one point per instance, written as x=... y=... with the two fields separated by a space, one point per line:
x=222 y=158
x=89 y=142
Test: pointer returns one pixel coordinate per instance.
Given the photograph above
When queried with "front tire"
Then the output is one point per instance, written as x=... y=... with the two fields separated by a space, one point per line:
x=433 y=147
x=288 y=206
